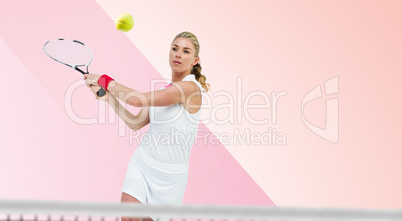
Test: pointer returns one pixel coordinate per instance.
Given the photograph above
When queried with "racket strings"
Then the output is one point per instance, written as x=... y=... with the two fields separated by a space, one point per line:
x=71 y=53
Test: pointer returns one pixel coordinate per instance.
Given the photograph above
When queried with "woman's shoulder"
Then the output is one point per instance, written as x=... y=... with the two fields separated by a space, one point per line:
x=191 y=77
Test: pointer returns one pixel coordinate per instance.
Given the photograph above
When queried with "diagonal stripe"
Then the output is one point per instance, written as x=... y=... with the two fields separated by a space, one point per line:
x=42 y=151
x=215 y=175
x=231 y=183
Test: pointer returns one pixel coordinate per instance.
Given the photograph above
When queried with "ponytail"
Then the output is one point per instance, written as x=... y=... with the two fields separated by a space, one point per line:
x=196 y=71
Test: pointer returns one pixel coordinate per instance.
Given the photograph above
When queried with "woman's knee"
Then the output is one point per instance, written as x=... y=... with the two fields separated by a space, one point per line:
x=126 y=198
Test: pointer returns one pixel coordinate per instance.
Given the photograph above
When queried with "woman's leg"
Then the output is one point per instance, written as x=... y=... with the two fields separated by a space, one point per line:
x=126 y=198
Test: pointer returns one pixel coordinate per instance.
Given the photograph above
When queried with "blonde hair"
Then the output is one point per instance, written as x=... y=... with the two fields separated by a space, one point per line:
x=196 y=71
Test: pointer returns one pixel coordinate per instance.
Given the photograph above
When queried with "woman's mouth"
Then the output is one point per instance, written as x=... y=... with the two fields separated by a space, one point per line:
x=176 y=62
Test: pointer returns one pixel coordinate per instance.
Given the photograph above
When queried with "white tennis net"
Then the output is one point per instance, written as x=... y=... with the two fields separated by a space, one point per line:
x=14 y=210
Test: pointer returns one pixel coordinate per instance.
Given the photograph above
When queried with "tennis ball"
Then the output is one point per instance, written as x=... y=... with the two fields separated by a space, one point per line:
x=124 y=22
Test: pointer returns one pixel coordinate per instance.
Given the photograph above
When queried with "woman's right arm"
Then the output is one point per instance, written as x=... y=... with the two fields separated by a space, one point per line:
x=134 y=122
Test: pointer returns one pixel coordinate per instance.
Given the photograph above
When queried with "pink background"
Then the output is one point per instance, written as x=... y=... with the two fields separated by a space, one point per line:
x=289 y=46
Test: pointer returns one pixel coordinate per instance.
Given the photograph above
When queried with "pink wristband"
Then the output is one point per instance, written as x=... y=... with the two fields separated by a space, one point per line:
x=104 y=81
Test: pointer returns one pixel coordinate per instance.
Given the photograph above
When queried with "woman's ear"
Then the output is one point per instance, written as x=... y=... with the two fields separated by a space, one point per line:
x=197 y=59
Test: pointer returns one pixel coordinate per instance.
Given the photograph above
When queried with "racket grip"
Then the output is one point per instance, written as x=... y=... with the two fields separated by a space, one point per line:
x=101 y=92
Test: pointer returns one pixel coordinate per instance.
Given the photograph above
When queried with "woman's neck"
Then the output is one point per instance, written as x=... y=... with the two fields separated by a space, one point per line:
x=179 y=76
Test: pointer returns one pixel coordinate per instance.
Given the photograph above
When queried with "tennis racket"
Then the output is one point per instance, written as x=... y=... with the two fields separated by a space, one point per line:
x=72 y=53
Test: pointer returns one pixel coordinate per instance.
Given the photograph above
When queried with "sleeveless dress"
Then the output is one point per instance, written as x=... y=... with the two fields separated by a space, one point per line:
x=158 y=170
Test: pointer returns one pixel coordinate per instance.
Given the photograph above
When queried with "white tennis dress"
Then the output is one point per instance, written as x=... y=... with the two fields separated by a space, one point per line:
x=158 y=170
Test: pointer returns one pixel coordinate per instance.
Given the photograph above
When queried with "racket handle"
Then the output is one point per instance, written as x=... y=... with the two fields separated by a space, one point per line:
x=101 y=92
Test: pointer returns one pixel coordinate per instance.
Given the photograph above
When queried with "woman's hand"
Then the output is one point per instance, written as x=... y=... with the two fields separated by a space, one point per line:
x=91 y=79
x=95 y=88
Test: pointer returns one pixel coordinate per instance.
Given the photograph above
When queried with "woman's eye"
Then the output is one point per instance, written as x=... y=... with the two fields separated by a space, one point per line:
x=174 y=49
x=187 y=52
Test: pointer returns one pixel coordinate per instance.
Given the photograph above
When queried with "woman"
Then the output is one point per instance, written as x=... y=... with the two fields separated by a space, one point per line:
x=157 y=172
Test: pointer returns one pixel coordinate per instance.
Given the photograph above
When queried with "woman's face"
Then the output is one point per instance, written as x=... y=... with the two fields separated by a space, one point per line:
x=182 y=55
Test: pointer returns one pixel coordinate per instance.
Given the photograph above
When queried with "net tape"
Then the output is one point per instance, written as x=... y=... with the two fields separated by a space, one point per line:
x=225 y=212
